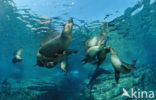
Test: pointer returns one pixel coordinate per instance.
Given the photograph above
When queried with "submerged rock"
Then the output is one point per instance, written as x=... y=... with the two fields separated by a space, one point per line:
x=107 y=89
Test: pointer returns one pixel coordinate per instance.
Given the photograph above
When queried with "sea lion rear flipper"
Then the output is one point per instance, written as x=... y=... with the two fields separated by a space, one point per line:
x=63 y=65
x=117 y=76
x=127 y=66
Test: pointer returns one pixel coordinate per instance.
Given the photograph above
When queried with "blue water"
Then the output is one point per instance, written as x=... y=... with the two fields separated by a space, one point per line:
x=133 y=36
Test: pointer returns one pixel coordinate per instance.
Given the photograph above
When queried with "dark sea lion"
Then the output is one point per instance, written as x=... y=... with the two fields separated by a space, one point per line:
x=59 y=43
x=17 y=56
x=120 y=66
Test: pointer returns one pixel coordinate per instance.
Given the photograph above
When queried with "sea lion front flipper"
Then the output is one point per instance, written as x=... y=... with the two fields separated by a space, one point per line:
x=117 y=76
x=63 y=65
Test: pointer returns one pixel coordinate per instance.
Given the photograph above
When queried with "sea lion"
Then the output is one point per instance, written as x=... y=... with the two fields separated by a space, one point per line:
x=59 y=43
x=53 y=49
x=17 y=56
x=93 y=46
x=120 y=66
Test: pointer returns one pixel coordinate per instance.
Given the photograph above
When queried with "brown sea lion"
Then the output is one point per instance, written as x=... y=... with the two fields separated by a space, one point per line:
x=53 y=49
x=59 y=43
x=120 y=66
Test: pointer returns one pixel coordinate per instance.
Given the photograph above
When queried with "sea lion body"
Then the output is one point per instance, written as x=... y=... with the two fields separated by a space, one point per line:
x=58 y=44
x=95 y=41
x=120 y=66
x=53 y=50
x=92 y=51
x=17 y=57
x=93 y=46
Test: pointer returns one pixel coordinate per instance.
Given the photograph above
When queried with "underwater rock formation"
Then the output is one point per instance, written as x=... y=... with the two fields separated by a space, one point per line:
x=33 y=89
x=105 y=88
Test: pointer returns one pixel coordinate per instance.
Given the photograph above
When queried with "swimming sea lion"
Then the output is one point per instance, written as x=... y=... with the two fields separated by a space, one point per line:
x=53 y=50
x=120 y=66
x=93 y=46
x=17 y=56
x=59 y=43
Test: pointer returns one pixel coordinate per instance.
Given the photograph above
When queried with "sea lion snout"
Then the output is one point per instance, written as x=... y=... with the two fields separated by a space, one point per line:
x=70 y=20
x=68 y=27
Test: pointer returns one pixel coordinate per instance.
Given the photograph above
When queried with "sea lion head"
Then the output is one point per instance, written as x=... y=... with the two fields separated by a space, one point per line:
x=103 y=42
x=69 y=26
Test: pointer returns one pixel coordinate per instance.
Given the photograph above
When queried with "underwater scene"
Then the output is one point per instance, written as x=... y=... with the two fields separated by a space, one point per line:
x=77 y=49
